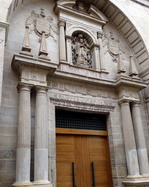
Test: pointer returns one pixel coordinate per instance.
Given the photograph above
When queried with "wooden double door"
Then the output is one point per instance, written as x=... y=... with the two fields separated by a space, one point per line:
x=82 y=159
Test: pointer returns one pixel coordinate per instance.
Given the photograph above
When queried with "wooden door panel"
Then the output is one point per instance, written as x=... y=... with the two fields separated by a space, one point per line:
x=98 y=153
x=83 y=173
x=65 y=155
x=82 y=150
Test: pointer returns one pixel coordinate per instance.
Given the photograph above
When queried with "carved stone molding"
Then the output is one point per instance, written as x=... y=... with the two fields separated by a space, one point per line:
x=81 y=103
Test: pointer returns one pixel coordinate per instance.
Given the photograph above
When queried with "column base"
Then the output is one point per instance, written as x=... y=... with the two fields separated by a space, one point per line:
x=22 y=184
x=43 y=183
x=138 y=181
x=146 y=175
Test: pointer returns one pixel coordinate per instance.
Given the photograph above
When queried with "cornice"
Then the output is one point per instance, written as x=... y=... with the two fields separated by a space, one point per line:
x=23 y=60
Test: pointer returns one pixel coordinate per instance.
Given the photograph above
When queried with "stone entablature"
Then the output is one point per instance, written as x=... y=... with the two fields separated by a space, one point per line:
x=33 y=70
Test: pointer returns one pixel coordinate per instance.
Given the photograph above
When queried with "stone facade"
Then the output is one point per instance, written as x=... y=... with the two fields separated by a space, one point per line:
x=89 y=56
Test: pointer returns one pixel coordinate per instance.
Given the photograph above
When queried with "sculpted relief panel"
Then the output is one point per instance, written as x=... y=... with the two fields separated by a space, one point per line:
x=116 y=52
x=113 y=46
x=41 y=23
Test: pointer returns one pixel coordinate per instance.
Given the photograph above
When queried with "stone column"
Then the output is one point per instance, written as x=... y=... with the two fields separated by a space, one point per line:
x=24 y=137
x=96 y=57
x=41 y=138
x=129 y=140
x=140 y=140
x=62 y=42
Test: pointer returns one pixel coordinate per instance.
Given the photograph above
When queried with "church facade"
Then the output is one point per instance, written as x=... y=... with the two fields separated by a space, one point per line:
x=74 y=93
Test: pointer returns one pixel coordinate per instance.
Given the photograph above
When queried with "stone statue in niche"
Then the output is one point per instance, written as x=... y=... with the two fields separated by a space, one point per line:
x=113 y=46
x=40 y=23
x=81 y=52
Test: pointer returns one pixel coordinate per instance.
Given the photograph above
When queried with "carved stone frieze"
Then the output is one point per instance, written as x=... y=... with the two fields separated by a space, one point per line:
x=81 y=51
x=73 y=87
x=81 y=103
x=34 y=76
x=81 y=71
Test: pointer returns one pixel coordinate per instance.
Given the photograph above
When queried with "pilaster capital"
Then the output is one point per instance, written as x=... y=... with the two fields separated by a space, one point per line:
x=62 y=23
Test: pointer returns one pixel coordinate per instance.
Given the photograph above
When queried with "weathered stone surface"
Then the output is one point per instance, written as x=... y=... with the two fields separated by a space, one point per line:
x=74 y=88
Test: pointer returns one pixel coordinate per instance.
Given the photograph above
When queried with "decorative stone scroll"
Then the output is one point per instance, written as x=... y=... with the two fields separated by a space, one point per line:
x=81 y=52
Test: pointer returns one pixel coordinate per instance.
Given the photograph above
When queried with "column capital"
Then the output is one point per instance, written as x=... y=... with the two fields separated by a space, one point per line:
x=136 y=103
x=41 y=88
x=124 y=102
x=62 y=23
x=24 y=86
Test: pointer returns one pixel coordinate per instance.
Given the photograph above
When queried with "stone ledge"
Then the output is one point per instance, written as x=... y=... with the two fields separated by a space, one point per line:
x=30 y=184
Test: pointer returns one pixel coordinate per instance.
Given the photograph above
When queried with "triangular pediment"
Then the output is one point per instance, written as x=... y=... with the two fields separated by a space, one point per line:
x=93 y=11
x=81 y=7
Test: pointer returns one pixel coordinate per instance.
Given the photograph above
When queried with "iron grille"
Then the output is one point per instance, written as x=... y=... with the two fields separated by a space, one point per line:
x=79 y=120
